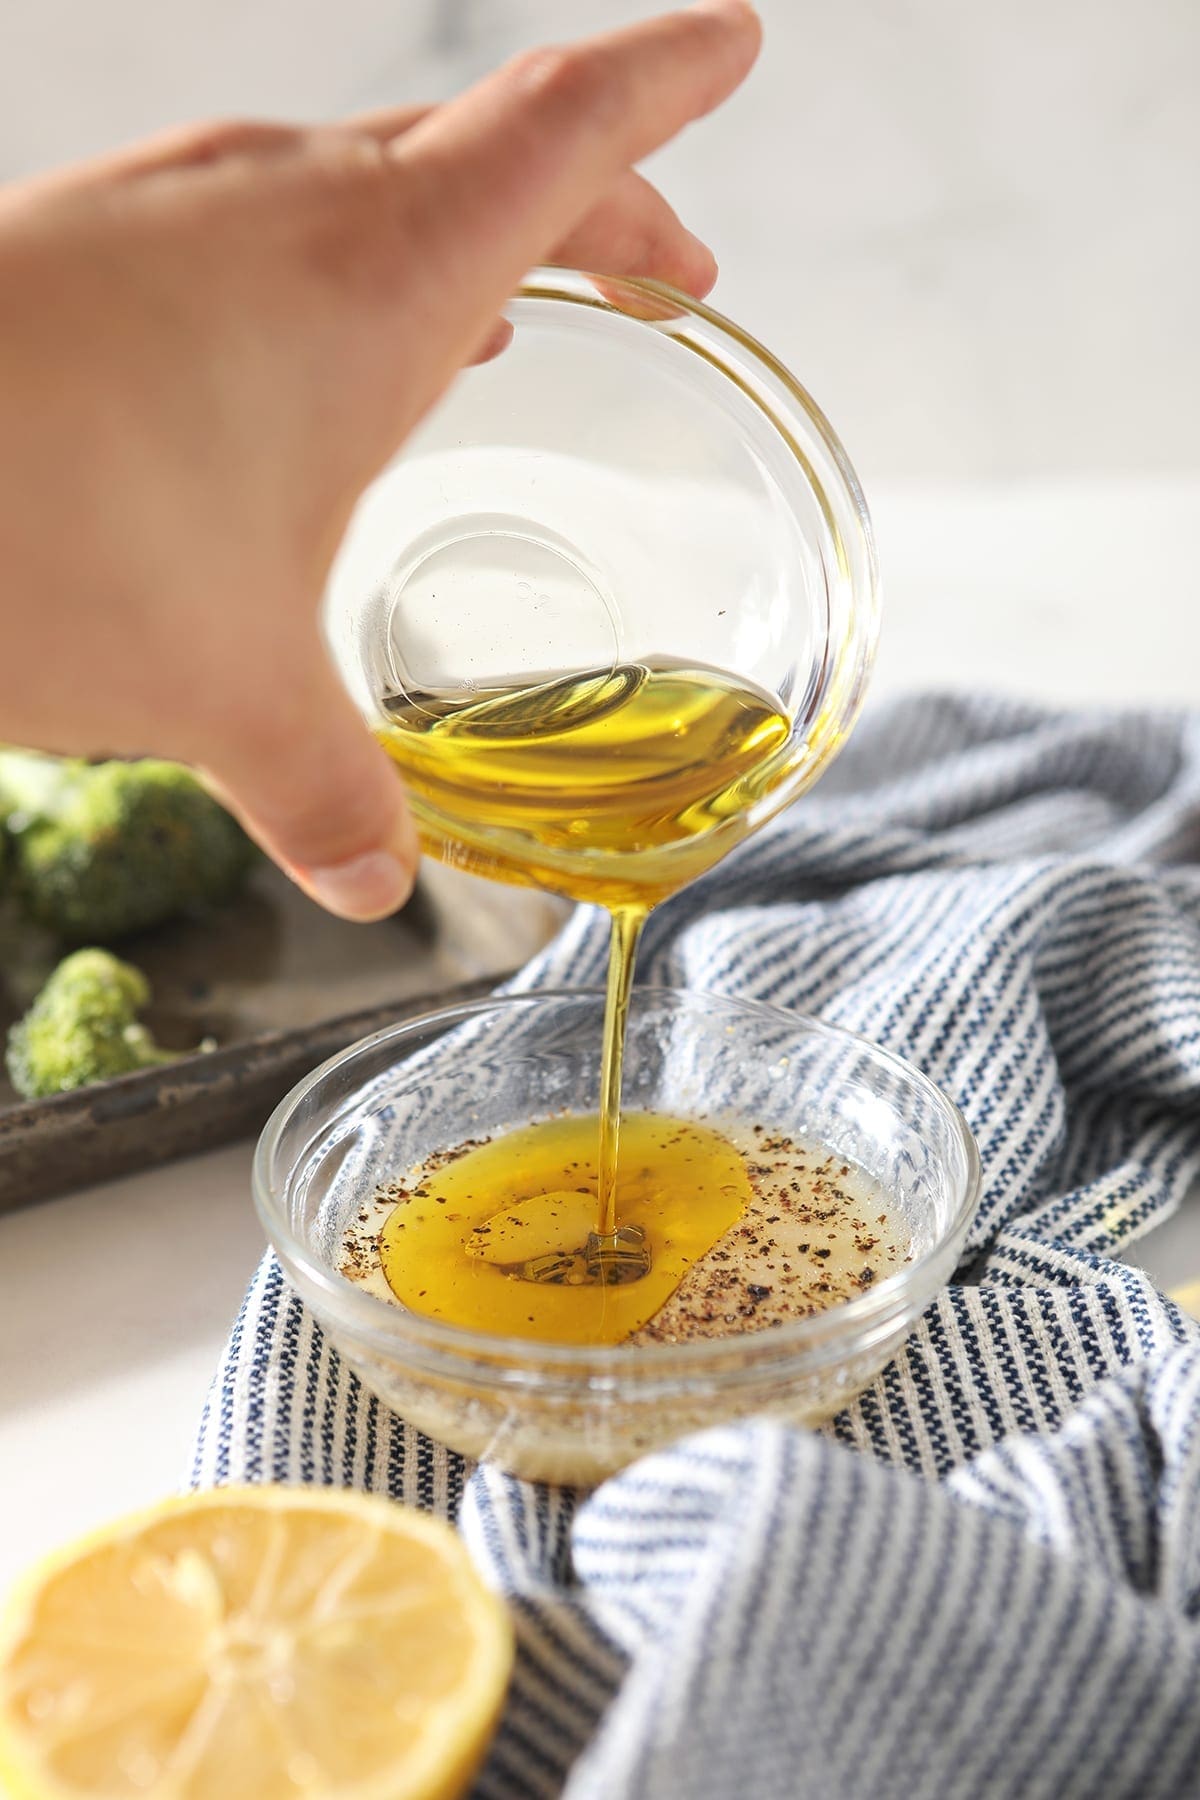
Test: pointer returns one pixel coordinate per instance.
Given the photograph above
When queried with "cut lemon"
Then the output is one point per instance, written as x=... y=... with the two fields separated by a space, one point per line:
x=265 y=1643
x=1188 y=1297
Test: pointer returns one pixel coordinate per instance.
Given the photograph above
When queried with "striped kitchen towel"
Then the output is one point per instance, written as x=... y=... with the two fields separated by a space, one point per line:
x=983 y=1579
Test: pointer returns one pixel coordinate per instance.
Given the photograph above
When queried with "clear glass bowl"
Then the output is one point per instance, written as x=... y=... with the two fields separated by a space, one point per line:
x=632 y=480
x=570 y=1413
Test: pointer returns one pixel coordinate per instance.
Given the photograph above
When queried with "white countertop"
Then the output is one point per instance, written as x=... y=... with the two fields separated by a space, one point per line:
x=116 y=1301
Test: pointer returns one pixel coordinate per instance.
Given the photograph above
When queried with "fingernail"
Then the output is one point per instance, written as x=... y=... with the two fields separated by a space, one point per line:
x=497 y=340
x=706 y=267
x=364 y=888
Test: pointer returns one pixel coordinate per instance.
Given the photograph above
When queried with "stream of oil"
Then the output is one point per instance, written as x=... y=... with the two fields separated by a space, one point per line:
x=612 y=786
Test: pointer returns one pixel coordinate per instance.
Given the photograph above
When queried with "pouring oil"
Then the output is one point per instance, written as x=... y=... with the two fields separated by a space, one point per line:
x=616 y=787
x=611 y=786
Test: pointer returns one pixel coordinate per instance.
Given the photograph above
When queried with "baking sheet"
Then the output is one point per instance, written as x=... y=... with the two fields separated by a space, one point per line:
x=280 y=985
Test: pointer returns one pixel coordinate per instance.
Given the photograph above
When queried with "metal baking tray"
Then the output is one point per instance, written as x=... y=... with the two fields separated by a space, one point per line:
x=279 y=985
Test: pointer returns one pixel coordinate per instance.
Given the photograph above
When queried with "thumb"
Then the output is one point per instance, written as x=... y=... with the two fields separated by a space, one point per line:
x=324 y=801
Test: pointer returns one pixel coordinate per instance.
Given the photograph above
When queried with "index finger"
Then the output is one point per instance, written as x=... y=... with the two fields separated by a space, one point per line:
x=514 y=163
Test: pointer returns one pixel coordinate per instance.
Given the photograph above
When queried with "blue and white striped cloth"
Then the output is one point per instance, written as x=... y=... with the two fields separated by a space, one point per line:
x=983 y=1580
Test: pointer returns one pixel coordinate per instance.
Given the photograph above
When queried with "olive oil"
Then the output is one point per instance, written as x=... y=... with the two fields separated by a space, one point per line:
x=461 y=1244
x=614 y=786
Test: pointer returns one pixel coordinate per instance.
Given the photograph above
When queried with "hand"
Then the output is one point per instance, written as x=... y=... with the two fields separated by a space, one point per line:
x=210 y=344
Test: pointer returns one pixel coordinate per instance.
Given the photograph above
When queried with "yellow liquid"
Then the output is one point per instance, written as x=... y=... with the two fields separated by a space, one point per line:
x=682 y=1184
x=615 y=787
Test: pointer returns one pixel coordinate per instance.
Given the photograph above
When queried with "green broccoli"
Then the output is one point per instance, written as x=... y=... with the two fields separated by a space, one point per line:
x=83 y=1027
x=100 y=850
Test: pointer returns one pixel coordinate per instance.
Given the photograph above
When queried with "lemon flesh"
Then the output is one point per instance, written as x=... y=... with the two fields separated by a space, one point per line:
x=265 y=1643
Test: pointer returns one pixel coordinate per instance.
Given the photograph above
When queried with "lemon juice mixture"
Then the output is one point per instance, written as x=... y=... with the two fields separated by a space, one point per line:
x=747 y=1230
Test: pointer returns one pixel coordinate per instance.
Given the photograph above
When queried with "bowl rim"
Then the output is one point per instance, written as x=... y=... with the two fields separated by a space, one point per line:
x=842 y=664
x=558 y=281
x=581 y=287
x=388 y=1325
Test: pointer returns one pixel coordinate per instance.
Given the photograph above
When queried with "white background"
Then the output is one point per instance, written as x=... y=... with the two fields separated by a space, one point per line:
x=970 y=229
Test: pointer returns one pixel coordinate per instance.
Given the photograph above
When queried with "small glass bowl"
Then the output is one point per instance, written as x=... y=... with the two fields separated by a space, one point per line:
x=570 y=1413
x=634 y=481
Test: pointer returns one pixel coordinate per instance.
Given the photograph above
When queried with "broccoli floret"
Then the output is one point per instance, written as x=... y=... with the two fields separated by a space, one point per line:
x=103 y=849
x=83 y=1027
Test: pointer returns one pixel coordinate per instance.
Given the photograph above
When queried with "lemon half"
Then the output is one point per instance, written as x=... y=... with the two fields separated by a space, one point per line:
x=265 y=1643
